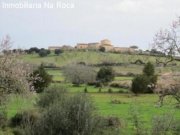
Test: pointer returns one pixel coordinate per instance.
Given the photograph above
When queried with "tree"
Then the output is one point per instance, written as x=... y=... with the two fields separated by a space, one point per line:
x=148 y=69
x=134 y=47
x=168 y=42
x=79 y=74
x=44 y=79
x=33 y=50
x=58 y=51
x=105 y=75
x=14 y=73
x=139 y=84
x=43 y=53
x=102 y=49
x=146 y=82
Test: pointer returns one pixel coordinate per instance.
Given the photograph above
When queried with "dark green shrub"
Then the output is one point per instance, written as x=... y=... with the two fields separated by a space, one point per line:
x=58 y=51
x=145 y=83
x=102 y=49
x=149 y=69
x=29 y=116
x=42 y=79
x=85 y=90
x=33 y=50
x=105 y=75
x=110 y=90
x=43 y=53
x=139 y=84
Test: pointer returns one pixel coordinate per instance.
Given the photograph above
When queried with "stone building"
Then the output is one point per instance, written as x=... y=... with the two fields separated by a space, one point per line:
x=96 y=46
x=107 y=45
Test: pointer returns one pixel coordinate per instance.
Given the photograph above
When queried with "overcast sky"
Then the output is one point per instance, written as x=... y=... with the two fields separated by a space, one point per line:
x=124 y=22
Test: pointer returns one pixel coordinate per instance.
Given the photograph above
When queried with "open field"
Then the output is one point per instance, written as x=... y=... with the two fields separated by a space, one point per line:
x=91 y=58
x=110 y=101
x=145 y=104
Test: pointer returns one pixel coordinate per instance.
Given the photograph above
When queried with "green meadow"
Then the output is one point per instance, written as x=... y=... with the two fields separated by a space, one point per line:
x=119 y=102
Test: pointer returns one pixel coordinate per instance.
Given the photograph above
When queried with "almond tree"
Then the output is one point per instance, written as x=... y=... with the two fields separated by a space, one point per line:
x=167 y=41
x=14 y=74
x=168 y=85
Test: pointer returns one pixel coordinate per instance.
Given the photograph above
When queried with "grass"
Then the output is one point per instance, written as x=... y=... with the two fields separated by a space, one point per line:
x=17 y=103
x=57 y=74
x=96 y=58
x=145 y=103
x=89 y=58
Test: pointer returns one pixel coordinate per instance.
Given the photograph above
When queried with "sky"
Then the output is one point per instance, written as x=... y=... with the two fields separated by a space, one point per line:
x=124 y=22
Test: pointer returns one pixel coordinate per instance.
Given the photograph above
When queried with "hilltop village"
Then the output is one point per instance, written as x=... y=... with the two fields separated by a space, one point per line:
x=106 y=44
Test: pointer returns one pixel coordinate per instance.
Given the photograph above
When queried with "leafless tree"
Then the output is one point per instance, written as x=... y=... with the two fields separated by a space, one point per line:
x=167 y=41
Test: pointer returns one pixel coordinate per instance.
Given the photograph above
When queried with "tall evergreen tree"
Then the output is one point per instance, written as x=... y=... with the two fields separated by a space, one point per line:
x=43 y=81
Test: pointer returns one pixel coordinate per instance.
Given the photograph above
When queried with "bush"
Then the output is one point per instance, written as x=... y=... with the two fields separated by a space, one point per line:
x=140 y=82
x=85 y=90
x=105 y=75
x=58 y=51
x=110 y=90
x=113 y=121
x=43 y=81
x=149 y=69
x=102 y=49
x=165 y=124
x=29 y=116
x=72 y=116
x=50 y=96
x=33 y=50
x=43 y=53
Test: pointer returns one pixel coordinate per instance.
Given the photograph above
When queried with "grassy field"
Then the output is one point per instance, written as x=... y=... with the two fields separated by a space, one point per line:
x=96 y=58
x=145 y=104
x=17 y=103
x=87 y=57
